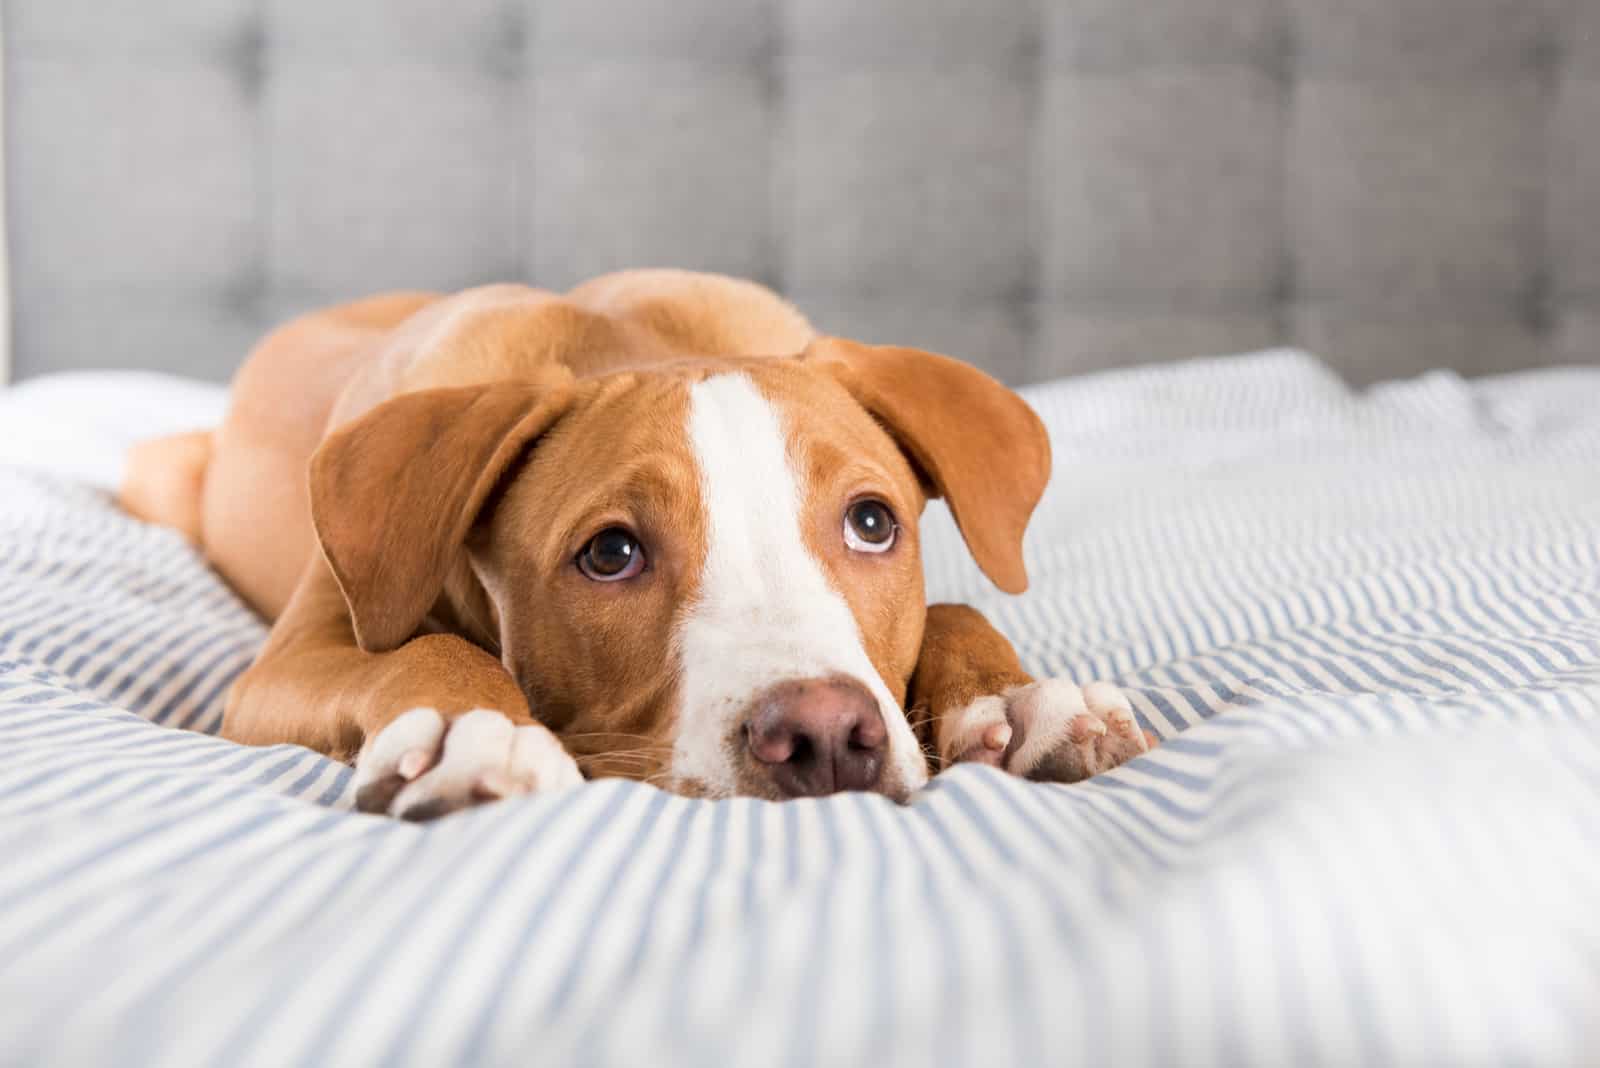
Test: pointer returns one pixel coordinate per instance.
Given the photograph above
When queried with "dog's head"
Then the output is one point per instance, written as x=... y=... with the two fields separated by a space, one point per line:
x=705 y=574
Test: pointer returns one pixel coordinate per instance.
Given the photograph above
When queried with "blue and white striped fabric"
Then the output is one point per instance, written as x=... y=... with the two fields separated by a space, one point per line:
x=1368 y=627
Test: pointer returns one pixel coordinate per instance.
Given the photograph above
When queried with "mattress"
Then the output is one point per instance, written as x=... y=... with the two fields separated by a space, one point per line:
x=1366 y=626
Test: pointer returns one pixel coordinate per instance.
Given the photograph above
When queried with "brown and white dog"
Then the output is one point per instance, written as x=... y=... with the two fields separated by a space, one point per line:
x=655 y=528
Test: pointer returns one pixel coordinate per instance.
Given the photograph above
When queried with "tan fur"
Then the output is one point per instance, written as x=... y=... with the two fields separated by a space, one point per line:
x=962 y=658
x=462 y=448
x=165 y=479
x=982 y=449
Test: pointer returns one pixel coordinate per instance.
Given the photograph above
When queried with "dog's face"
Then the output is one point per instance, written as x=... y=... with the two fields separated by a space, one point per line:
x=706 y=574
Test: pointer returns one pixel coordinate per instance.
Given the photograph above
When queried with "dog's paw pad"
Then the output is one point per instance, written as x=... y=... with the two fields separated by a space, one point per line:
x=398 y=754
x=1049 y=731
x=421 y=766
x=1069 y=733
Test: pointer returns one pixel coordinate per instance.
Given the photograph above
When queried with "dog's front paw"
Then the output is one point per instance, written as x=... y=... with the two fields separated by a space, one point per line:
x=1048 y=731
x=423 y=766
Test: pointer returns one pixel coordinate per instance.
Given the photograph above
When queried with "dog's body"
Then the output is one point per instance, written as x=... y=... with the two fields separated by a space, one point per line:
x=656 y=525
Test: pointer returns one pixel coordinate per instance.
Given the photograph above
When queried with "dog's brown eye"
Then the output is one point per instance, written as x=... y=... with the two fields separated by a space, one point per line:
x=869 y=527
x=611 y=555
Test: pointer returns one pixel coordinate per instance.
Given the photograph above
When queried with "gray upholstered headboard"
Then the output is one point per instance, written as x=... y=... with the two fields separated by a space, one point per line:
x=1041 y=186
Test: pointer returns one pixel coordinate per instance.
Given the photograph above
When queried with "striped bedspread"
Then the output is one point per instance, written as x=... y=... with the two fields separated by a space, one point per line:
x=1367 y=627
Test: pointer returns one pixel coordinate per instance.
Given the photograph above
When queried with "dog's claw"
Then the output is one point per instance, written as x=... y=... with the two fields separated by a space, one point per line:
x=414 y=763
x=997 y=736
x=1085 y=727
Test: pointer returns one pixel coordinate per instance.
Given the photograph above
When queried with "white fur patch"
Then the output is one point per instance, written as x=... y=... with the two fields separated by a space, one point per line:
x=476 y=756
x=766 y=611
x=971 y=727
x=1095 y=723
x=1044 y=712
x=417 y=731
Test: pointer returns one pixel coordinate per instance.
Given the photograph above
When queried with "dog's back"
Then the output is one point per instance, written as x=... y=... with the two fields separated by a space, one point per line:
x=239 y=492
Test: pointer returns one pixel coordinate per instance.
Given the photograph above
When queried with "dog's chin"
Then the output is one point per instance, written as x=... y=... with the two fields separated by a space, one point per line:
x=684 y=786
x=748 y=782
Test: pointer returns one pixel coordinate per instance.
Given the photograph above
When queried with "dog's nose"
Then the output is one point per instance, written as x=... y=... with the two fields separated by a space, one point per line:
x=816 y=736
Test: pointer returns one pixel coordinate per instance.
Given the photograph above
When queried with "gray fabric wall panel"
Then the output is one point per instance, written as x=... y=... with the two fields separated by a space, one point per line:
x=1574 y=286
x=151 y=31
x=1123 y=163
x=865 y=216
x=1114 y=36
x=357 y=189
x=1416 y=192
x=1578 y=334
x=1040 y=186
x=483 y=36
x=1089 y=335
x=610 y=184
x=1575 y=201
x=111 y=207
x=1424 y=39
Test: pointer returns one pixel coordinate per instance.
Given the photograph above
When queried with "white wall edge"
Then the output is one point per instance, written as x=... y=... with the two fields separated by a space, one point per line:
x=5 y=274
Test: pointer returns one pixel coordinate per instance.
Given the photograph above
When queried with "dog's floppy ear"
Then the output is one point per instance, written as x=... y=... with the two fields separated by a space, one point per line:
x=973 y=441
x=395 y=492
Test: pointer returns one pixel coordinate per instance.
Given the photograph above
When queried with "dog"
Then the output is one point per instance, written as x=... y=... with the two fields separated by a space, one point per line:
x=657 y=527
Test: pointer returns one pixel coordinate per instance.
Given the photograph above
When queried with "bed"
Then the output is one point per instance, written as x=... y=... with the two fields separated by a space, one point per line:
x=1356 y=593
x=1366 y=625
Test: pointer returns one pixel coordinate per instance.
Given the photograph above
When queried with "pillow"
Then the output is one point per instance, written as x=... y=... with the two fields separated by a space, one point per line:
x=80 y=424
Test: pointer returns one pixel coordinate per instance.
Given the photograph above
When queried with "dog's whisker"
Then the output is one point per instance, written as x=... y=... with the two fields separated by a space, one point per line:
x=628 y=768
x=613 y=767
x=622 y=735
x=624 y=754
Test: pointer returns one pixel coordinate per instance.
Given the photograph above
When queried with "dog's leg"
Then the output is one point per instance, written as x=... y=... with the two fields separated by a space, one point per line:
x=970 y=699
x=164 y=481
x=433 y=726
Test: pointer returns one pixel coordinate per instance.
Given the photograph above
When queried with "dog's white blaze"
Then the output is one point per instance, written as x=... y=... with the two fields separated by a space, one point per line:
x=766 y=611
